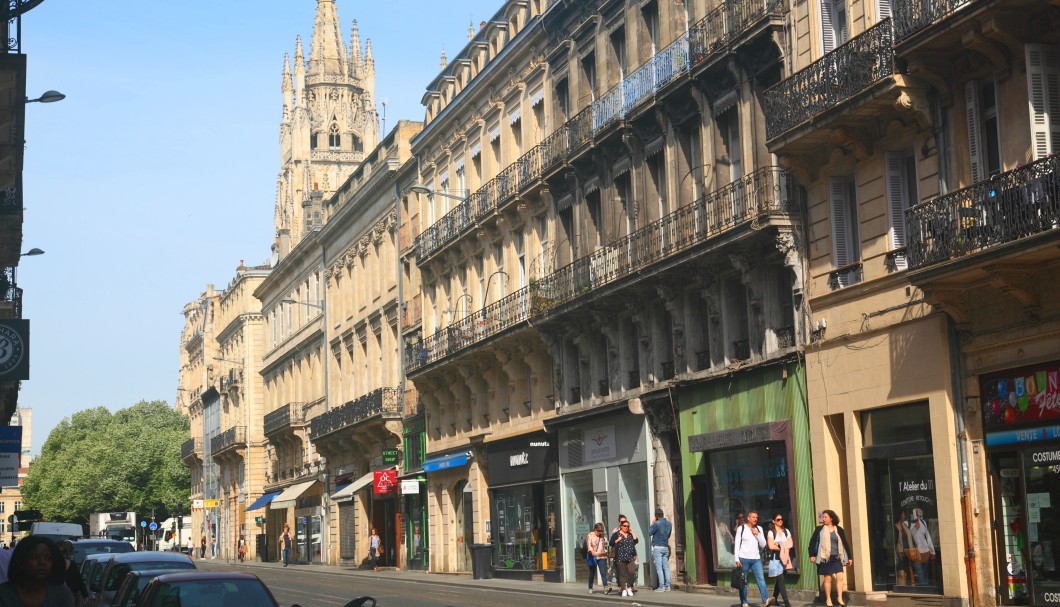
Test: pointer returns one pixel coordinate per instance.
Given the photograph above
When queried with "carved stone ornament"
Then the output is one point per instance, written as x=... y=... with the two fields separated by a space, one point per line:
x=852 y=140
x=913 y=100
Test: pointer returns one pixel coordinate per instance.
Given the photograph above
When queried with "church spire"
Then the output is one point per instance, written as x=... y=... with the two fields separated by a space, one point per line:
x=356 y=62
x=287 y=87
x=299 y=71
x=327 y=56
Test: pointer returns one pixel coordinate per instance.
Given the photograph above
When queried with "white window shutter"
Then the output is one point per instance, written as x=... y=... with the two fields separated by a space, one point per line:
x=883 y=9
x=827 y=27
x=837 y=193
x=839 y=21
x=897 y=203
x=971 y=110
x=1043 y=97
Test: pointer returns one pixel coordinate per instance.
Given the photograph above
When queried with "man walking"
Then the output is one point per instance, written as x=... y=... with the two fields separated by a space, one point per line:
x=285 y=544
x=660 y=549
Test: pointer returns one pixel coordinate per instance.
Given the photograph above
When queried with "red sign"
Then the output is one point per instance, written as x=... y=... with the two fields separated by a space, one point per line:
x=1016 y=397
x=384 y=482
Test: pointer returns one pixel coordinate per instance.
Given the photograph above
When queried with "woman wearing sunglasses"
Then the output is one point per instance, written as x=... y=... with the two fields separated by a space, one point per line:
x=625 y=543
x=778 y=538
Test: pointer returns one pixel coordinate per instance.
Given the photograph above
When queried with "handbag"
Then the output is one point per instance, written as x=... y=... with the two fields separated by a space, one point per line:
x=739 y=578
x=913 y=555
x=775 y=567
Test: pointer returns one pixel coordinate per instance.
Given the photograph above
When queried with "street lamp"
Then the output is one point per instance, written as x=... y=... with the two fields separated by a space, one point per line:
x=225 y=360
x=419 y=188
x=32 y=252
x=47 y=97
x=289 y=300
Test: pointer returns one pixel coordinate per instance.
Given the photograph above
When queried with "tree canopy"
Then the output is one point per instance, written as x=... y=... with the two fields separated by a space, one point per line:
x=95 y=461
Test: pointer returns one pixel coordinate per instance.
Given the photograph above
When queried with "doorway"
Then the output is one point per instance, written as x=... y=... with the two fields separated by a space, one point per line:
x=464 y=519
x=1009 y=539
x=702 y=527
x=383 y=520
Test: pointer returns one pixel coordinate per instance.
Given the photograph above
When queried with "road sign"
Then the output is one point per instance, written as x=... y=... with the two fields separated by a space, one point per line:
x=154 y=526
x=143 y=523
x=211 y=503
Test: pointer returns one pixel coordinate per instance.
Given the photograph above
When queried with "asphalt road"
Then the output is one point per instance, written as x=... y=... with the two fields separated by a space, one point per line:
x=297 y=585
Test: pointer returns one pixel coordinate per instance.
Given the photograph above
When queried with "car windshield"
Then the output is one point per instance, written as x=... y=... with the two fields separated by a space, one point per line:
x=212 y=593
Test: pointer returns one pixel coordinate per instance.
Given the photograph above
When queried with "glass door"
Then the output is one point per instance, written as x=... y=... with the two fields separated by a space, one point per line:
x=1041 y=467
x=1009 y=532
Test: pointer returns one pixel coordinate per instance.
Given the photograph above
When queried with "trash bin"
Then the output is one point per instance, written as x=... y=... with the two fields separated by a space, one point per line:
x=263 y=548
x=482 y=561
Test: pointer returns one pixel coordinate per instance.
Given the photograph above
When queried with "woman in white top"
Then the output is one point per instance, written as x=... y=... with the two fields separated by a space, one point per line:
x=779 y=540
x=749 y=542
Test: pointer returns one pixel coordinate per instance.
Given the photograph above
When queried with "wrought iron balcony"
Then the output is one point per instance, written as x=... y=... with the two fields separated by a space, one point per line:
x=1009 y=206
x=383 y=402
x=850 y=274
x=641 y=84
x=767 y=191
x=190 y=447
x=716 y=32
x=236 y=436
x=828 y=82
x=10 y=293
x=287 y=416
x=911 y=16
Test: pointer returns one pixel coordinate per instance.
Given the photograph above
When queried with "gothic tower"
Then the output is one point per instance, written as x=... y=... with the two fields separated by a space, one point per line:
x=329 y=123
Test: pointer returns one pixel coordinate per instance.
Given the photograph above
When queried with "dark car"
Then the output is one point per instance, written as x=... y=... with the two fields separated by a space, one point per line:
x=121 y=564
x=206 y=589
x=83 y=548
x=91 y=570
x=133 y=585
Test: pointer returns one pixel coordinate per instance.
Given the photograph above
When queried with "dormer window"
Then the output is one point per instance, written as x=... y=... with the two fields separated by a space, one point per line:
x=334 y=138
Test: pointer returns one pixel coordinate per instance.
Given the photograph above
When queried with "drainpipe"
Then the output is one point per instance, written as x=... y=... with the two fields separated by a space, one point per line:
x=956 y=374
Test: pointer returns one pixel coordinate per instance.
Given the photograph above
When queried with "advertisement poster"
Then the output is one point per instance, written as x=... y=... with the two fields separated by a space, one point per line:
x=10 y=455
x=1018 y=397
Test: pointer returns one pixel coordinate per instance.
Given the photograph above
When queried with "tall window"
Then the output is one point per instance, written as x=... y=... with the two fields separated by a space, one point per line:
x=313 y=141
x=984 y=136
x=617 y=69
x=846 y=238
x=588 y=80
x=650 y=14
x=562 y=101
x=834 y=29
x=901 y=194
x=334 y=139
x=1043 y=92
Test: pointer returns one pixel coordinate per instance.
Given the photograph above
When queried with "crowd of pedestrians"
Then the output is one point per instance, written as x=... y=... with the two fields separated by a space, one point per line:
x=617 y=554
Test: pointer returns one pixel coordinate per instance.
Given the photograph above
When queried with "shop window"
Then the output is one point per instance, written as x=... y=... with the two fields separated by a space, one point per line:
x=1041 y=471
x=745 y=479
x=902 y=504
x=524 y=535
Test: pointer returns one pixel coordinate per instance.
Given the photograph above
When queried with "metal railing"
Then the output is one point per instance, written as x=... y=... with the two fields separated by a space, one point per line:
x=829 y=81
x=716 y=32
x=10 y=291
x=190 y=447
x=1001 y=209
x=286 y=416
x=384 y=402
x=232 y=437
x=766 y=191
x=911 y=16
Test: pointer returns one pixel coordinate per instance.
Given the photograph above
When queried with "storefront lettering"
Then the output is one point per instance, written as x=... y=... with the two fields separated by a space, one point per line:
x=917 y=499
x=543 y=443
x=520 y=459
x=1046 y=456
x=1051 y=597
x=723 y=439
x=925 y=485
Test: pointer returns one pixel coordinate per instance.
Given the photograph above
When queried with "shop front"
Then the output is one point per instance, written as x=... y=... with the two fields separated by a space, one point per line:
x=454 y=487
x=303 y=501
x=370 y=502
x=414 y=515
x=524 y=507
x=604 y=466
x=1021 y=424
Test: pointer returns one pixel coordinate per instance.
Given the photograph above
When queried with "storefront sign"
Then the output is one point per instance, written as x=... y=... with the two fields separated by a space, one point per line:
x=384 y=482
x=10 y=455
x=737 y=437
x=390 y=457
x=1020 y=397
x=1028 y=435
x=445 y=462
x=211 y=503
x=599 y=443
x=14 y=349
x=410 y=487
x=196 y=504
x=524 y=459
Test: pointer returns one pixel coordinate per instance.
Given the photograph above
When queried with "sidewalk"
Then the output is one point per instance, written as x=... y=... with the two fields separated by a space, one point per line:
x=645 y=596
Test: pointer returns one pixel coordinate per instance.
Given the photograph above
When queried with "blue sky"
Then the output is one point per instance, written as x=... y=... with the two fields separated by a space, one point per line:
x=156 y=175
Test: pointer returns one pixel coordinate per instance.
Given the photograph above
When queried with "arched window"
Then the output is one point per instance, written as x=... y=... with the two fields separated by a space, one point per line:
x=334 y=139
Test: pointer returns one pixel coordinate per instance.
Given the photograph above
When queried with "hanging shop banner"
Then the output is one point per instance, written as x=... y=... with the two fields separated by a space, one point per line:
x=1021 y=405
x=410 y=487
x=14 y=349
x=384 y=482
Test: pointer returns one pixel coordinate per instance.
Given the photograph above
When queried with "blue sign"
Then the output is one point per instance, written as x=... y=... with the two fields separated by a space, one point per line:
x=153 y=526
x=444 y=463
x=143 y=523
x=10 y=455
x=1029 y=435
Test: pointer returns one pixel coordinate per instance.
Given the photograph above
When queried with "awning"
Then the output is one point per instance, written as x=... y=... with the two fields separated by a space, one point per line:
x=537 y=96
x=453 y=460
x=263 y=501
x=290 y=495
x=346 y=493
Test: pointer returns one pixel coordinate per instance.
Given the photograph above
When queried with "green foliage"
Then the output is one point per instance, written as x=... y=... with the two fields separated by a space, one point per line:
x=96 y=461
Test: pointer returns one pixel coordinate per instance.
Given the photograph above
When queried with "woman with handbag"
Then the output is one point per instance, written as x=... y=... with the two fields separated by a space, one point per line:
x=830 y=550
x=625 y=543
x=924 y=551
x=905 y=552
x=596 y=557
x=780 y=543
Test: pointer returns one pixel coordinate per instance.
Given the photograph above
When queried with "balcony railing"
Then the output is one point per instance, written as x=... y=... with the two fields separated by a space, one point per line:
x=288 y=415
x=384 y=402
x=833 y=79
x=1009 y=206
x=716 y=32
x=768 y=190
x=190 y=447
x=10 y=293
x=232 y=437
x=911 y=16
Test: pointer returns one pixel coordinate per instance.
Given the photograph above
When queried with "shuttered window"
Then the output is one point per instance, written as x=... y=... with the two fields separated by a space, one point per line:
x=846 y=247
x=901 y=185
x=833 y=24
x=1043 y=96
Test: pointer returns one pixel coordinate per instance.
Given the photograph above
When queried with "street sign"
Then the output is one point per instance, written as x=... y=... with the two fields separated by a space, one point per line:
x=154 y=526
x=143 y=523
x=211 y=503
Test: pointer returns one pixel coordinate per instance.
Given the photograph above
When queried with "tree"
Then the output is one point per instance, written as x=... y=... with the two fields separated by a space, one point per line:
x=96 y=461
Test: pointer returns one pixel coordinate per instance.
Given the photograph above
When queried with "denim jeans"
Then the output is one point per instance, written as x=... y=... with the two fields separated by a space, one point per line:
x=599 y=567
x=753 y=567
x=660 y=555
x=286 y=556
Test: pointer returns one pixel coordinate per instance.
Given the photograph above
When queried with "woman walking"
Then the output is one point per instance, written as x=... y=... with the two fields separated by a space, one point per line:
x=830 y=550
x=625 y=543
x=285 y=542
x=73 y=576
x=780 y=543
x=374 y=545
x=596 y=557
x=36 y=576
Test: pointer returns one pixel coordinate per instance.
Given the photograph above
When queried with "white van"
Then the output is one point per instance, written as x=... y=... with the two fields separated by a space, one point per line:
x=58 y=532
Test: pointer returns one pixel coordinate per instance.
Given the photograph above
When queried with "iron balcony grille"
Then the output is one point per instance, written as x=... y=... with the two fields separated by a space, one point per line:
x=829 y=81
x=234 y=436
x=286 y=416
x=850 y=274
x=384 y=402
x=1009 y=206
x=10 y=291
x=190 y=447
x=767 y=191
x=716 y=32
x=911 y=16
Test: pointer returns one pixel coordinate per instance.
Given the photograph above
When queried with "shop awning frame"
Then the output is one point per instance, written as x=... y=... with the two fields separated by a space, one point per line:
x=263 y=501
x=346 y=493
x=290 y=495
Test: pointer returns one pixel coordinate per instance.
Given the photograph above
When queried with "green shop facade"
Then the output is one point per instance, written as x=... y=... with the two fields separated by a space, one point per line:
x=745 y=446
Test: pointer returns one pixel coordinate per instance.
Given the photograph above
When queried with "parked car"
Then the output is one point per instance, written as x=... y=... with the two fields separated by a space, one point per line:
x=121 y=564
x=133 y=585
x=91 y=571
x=83 y=548
x=206 y=589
